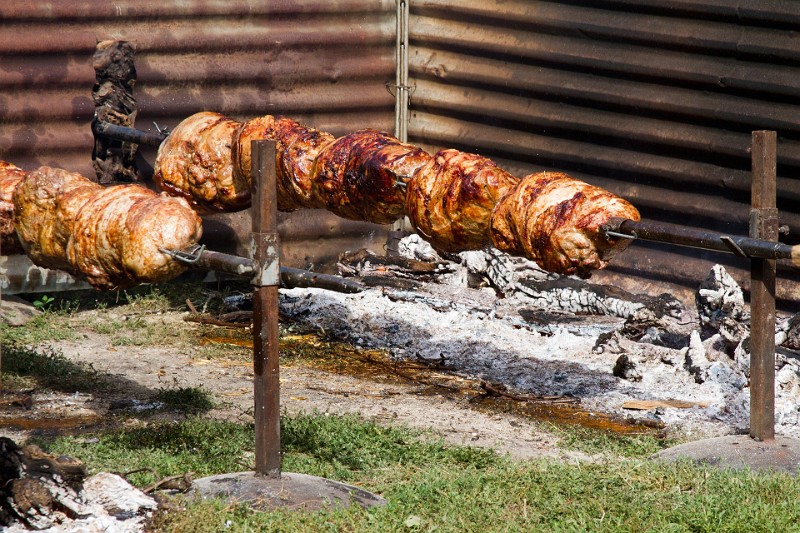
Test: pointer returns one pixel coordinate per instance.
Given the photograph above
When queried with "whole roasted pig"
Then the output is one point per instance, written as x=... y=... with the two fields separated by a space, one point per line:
x=109 y=236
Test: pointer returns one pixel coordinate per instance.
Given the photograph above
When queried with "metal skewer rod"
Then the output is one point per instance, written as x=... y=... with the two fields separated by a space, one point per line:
x=123 y=133
x=696 y=238
x=199 y=257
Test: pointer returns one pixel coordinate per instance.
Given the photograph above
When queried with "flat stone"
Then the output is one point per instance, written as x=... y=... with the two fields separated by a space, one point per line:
x=15 y=311
x=291 y=491
x=739 y=452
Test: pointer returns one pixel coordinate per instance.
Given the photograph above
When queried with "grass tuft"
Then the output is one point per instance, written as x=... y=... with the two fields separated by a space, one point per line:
x=49 y=368
x=592 y=441
x=186 y=399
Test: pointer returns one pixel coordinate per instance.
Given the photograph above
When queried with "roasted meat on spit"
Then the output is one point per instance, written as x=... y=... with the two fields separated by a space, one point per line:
x=109 y=236
x=296 y=147
x=456 y=200
x=195 y=163
x=10 y=177
x=450 y=200
x=361 y=176
x=556 y=220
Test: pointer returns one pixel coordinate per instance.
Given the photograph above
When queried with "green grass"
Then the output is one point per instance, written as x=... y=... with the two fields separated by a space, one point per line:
x=186 y=399
x=50 y=326
x=606 y=442
x=48 y=367
x=431 y=486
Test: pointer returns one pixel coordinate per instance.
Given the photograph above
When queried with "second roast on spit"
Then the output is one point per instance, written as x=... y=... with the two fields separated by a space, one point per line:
x=456 y=200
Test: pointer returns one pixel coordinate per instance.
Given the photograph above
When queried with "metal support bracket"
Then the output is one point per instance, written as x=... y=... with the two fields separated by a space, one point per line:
x=763 y=223
x=269 y=272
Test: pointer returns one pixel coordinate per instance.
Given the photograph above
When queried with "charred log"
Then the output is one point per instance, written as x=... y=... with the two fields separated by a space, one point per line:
x=366 y=263
x=579 y=297
x=34 y=485
x=115 y=73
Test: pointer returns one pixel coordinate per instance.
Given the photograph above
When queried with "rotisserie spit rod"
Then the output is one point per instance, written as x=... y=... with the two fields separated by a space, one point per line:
x=198 y=257
x=697 y=238
x=123 y=133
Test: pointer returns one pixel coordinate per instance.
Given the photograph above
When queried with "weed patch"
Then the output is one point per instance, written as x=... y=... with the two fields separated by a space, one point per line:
x=49 y=368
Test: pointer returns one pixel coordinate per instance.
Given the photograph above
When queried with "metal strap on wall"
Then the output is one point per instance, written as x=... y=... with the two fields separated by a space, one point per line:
x=401 y=86
x=402 y=99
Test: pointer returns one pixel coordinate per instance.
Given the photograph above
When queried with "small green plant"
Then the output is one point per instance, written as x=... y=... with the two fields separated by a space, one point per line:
x=44 y=302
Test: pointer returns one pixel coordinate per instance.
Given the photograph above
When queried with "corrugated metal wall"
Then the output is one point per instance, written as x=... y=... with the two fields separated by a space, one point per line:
x=652 y=99
x=323 y=62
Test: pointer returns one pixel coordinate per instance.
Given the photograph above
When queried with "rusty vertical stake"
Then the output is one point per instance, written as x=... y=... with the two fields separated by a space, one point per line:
x=763 y=225
x=266 y=386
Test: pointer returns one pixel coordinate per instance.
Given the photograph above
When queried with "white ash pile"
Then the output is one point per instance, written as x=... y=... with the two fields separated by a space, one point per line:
x=504 y=320
x=42 y=492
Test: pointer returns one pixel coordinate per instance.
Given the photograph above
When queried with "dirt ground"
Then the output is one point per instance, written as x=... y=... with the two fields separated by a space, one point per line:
x=136 y=373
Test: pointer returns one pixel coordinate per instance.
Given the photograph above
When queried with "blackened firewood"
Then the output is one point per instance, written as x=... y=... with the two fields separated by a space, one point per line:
x=114 y=103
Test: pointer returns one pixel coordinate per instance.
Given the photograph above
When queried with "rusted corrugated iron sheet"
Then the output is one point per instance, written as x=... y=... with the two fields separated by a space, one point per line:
x=326 y=63
x=654 y=100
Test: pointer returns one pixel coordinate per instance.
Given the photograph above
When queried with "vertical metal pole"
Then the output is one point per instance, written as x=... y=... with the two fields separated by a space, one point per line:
x=399 y=227
x=763 y=225
x=401 y=74
x=266 y=385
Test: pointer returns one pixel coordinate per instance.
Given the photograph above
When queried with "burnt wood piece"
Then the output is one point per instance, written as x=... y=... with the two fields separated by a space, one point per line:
x=114 y=160
x=580 y=297
x=366 y=263
x=25 y=475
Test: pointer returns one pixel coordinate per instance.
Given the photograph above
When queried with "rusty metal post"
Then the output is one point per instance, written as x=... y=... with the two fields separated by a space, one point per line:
x=763 y=225
x=266 y=385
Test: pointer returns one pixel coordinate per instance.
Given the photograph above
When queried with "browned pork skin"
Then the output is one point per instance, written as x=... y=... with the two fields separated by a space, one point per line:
x=10 y=177
x=450 y=200
x=109 y=236
x=195 y=163
x=361 y=176
x=555 y=220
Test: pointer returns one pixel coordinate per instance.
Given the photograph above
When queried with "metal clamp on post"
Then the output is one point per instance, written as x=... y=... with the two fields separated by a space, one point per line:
x=268 y=272
x=764 y=223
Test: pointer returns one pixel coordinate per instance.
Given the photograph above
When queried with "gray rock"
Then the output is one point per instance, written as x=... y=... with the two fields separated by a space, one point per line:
x=15 y=311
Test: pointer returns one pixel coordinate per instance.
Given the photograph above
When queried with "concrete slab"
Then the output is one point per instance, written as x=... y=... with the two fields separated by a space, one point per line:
x=291 y=491
x=739 y=452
